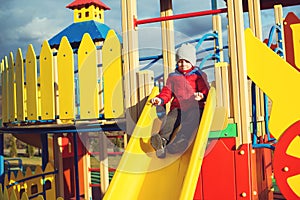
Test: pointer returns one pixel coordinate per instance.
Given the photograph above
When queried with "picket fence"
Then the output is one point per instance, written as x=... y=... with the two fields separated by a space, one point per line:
x=67 y=84
x=34 y=185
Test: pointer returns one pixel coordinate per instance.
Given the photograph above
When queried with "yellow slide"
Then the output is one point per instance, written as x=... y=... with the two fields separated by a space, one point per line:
x=141 y=175
x=278 y=79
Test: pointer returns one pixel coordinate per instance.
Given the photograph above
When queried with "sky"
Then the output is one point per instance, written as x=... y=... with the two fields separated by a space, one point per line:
x=26 y=22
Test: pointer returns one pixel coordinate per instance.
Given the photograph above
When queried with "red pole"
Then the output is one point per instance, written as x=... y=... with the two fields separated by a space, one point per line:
x=179 y=16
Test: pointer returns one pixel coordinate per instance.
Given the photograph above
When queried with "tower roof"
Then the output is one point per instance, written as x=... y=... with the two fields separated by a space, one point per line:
x=75 y=31
x=82 y=3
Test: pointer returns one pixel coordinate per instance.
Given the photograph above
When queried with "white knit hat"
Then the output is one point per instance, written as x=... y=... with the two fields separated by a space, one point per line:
x=187 y=52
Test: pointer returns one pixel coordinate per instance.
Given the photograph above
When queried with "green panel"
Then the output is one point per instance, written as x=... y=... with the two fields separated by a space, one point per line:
x=229 y=131
x=113 y=77
x=47 y=83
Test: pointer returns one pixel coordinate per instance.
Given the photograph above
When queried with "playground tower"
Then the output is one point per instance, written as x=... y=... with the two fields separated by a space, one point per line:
x=88 y=18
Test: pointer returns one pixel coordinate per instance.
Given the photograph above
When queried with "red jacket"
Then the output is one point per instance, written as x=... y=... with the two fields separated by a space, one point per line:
x=181 y=87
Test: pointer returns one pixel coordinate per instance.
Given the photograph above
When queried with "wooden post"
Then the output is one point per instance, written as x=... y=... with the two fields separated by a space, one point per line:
x=58 y=163
x=103 y=157
x=233 y=66
x=279 y=21
x=131 y=61
x=100 y=74
x=255 y=25
x=86 y=165
x=239 y=74
x=168 y=44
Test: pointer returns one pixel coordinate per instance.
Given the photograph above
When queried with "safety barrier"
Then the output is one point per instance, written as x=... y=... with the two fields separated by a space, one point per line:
x=33 y=185
x=49 y=91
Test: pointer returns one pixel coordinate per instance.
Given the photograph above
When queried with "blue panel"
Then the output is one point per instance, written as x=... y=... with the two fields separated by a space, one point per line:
x=75 y=32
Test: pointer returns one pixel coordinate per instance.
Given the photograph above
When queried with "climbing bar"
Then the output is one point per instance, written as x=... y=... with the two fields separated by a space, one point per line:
x=179 y=16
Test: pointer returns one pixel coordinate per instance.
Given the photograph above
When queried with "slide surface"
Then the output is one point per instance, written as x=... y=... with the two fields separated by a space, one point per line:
x=141 y=175
x=278 y=79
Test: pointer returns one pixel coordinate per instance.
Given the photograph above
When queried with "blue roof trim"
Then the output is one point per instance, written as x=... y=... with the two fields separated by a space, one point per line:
x=75 y=32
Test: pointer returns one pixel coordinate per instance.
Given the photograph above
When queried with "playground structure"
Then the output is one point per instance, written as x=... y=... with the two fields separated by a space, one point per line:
x=231 y=157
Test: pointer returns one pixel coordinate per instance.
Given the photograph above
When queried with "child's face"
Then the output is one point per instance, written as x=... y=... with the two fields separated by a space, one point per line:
x=184 y=65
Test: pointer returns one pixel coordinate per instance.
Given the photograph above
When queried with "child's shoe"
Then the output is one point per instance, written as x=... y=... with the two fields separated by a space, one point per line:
x=159 y=144
x=179 y=145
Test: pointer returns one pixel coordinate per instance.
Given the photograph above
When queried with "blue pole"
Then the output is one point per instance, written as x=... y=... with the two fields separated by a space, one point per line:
x=214 y=4
x=75 y=145
x=45 y=154
x=2 y=159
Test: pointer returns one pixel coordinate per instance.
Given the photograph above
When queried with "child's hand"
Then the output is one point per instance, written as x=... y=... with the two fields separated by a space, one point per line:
x=198 y=96
x=155 y=101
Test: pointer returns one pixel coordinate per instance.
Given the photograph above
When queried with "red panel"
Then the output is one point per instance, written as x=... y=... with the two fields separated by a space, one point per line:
x=291 y=18
x=264 y=170
x=286 y=165
x=243 y=172
x=217 y=179
x=68 y=149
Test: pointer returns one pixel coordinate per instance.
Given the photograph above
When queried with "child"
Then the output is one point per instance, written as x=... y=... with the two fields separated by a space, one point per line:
x=188 y=89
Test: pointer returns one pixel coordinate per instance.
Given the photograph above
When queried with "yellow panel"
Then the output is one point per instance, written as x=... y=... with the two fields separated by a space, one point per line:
x=293 y=149
x=4 y=91
x=112 y=76
x=31 y=84
x=220 y=120
x=87 y=75
x=66 y=86
x=11 y=88
x=293 y=182
x=20 y=86
x=47 y=82
x=278 y=79
x=296 y=42
x=174 y=177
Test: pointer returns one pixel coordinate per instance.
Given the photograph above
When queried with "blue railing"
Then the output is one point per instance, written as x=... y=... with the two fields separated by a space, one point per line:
x=279 y=50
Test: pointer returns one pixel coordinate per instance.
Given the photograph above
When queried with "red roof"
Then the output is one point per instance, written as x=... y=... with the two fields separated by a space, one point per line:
x=81 y=3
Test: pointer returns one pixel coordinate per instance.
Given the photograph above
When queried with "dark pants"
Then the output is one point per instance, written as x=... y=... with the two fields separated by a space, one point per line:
x=187 y=123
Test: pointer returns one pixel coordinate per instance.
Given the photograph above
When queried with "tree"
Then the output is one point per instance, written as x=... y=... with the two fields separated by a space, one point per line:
x=30 y=151
x=13 y=147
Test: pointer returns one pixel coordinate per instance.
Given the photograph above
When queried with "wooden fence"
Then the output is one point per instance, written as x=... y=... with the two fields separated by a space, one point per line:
x=34 y=185
x=67 y=84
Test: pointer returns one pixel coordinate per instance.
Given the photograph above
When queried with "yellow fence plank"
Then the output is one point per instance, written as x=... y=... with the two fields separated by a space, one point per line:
x=31 y=84
x=66 y=86
x=47 y=82
x=1 y=192
x=24 y=196
x=13 y=196
x=4 y=91
x=113 y=77
x=51 y=193
x=87 y=75
x=32 y=186
x=5 y=194
x=11 y=88
x=20 y=86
